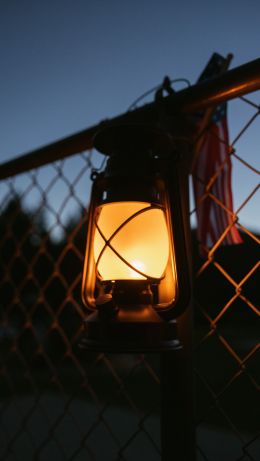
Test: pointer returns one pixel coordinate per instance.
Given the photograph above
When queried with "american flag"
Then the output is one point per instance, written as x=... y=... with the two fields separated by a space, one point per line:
x=212 y=173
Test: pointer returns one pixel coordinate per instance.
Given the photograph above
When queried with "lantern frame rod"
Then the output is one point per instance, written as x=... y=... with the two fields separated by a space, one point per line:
x=232 y=84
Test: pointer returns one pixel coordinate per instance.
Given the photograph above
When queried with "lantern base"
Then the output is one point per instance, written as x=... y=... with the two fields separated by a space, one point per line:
x=130 y=329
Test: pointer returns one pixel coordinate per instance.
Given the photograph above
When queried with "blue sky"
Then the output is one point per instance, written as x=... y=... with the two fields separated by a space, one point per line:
x=66 y=65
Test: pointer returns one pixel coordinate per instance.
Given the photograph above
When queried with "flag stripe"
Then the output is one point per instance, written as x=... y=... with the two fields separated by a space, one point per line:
x=212 y=176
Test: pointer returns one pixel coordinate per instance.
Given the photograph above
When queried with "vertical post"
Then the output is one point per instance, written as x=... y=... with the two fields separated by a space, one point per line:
x=177 y=403
x=177 y=421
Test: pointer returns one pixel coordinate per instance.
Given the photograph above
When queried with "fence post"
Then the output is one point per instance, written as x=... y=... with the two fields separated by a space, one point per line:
x=177 y=402
x=177 y=415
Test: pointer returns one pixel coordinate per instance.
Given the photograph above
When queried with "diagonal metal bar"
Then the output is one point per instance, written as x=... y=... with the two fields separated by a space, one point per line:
x=233 y=83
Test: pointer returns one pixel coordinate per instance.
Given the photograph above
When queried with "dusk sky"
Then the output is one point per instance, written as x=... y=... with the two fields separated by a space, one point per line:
x=66 y=65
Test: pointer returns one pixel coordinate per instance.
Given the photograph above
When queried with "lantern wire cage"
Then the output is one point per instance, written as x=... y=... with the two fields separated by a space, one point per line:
x=108 y=241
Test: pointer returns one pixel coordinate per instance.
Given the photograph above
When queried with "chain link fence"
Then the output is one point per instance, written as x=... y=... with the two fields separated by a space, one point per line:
x=227 y=311
x=58 y=402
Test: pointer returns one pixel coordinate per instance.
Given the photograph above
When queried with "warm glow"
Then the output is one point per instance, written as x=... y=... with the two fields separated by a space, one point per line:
x=138 y=265
x=143 y=241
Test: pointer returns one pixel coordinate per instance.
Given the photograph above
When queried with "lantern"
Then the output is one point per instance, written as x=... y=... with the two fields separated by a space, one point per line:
x=135 y=278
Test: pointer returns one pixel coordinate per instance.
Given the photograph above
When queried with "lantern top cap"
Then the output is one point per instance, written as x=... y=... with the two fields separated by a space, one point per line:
x=133 y=139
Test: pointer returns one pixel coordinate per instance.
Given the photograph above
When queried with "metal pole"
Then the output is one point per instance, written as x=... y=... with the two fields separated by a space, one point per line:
x=177 y=402
x=231 y=84
x=177 y=413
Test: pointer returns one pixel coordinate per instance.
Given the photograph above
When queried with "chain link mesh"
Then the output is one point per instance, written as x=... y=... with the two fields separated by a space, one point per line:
x=226 y=312
x=58 y=402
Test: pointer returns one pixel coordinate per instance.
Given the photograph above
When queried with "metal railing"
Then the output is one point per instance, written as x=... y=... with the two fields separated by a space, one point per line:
x=57 y=402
